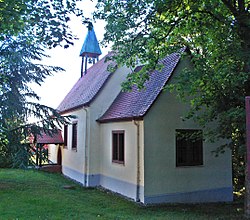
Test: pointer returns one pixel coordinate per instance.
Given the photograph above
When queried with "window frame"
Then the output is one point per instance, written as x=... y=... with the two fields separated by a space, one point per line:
x=74 y=136
x=116 y=156
x=65 y=136
x=192 y=150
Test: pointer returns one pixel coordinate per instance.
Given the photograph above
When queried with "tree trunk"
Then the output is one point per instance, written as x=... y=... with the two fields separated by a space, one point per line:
x=244 y=33
x=247 y=178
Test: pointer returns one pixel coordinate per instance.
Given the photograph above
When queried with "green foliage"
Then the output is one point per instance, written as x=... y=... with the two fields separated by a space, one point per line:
x=46 y=22
x=217 y=35
x=27 y=29
x=5 y=152
x=18 y=68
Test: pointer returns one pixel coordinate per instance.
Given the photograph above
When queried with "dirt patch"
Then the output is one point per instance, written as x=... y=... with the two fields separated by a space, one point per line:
x=5 y=186
x=69 y=187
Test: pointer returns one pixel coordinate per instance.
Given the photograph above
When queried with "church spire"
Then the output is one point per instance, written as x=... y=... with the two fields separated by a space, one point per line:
x=90 y=50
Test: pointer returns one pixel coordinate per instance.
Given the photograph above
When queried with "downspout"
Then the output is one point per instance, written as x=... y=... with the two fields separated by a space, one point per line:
x=137 y=124
x=86 y=148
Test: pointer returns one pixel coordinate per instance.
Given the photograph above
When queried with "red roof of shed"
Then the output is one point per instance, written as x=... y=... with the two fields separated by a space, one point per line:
x=135 y=104
x=47 y=139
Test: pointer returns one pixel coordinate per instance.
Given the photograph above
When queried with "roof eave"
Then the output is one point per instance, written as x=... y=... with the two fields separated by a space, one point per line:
x=85 y=105
x=132 y=118
x=50 y=142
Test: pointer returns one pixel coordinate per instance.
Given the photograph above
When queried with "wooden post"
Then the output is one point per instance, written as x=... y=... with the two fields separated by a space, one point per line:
x=40 y=154
x=82 y=66
x=86 y=63
x=36 y=154
x=247 y=178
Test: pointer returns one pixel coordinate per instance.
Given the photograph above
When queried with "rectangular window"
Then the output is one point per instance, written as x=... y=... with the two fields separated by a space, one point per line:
x=118 y=147
x=74 y=136
x=65 y=135
x=189 y=147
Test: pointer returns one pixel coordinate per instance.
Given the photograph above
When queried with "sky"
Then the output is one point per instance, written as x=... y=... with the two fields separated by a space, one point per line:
x=56 y=87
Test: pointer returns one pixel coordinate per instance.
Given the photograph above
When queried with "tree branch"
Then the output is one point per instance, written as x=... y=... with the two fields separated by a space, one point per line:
x=209 y=13
x=231 y=7
x=241 y=4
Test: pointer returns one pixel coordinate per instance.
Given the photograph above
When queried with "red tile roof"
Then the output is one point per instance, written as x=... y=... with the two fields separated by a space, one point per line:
x=87 y=87
x=135 y=104
x=47 y=139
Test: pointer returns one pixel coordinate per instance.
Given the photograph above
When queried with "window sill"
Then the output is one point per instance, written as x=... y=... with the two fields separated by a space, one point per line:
x=189 y=166
x=118 y=162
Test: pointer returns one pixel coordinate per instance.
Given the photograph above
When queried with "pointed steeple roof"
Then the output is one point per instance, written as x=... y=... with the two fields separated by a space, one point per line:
x=90 y=46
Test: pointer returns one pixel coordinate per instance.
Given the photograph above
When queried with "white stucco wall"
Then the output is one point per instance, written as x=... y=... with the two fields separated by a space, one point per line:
x=97 y=108
x=73 y=161
x=164 y=182
x=52 y=151
x=122 y=178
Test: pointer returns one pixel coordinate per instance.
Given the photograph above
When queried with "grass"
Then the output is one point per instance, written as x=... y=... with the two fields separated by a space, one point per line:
x=29 y=194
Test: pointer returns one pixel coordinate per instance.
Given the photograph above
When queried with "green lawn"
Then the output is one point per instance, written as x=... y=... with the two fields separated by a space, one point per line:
x=39 y=195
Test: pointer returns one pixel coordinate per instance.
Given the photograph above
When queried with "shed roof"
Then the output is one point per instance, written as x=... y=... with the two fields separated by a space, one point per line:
x=87 y=87
x=55 y=138
x=135 y=104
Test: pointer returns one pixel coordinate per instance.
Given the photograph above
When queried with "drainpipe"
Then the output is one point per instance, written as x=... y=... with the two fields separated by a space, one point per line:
x=86 y=148
x=137 y=124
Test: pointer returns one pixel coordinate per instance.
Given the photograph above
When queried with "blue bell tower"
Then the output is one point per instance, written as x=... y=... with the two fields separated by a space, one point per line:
x=90 y=51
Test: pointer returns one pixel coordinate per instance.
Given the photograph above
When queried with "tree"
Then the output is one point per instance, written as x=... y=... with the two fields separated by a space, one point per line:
x=27 y=29
x=44 y=21
x=217 y=34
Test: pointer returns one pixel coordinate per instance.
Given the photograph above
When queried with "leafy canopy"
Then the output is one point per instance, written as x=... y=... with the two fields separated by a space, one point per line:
x=217 y=35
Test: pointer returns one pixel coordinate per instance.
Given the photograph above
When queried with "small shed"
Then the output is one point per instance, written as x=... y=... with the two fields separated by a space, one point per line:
x=55 y=138
x=41 y=145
